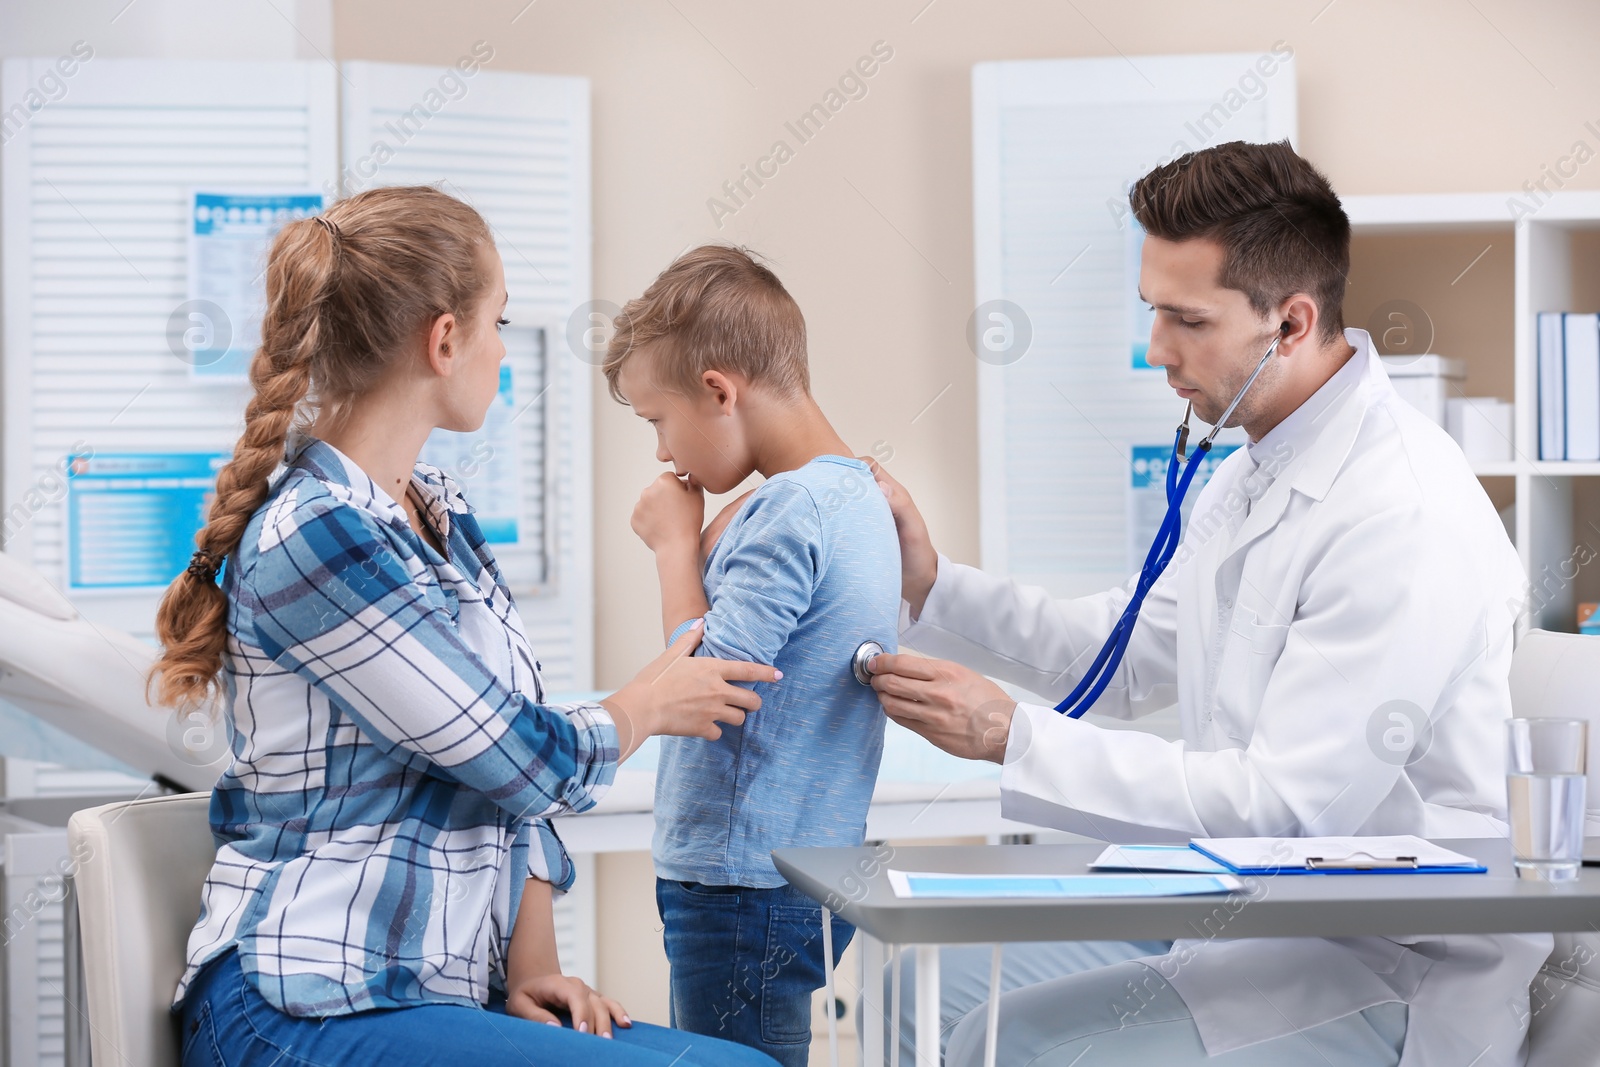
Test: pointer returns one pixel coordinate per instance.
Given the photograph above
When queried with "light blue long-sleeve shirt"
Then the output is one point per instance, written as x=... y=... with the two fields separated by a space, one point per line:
x=807 y=570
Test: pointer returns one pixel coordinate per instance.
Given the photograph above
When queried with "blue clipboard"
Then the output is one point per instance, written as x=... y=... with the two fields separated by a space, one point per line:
x=1351 y=862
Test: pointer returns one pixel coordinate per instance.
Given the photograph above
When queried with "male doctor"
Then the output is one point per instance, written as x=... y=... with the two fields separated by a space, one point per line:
x=1335 y=629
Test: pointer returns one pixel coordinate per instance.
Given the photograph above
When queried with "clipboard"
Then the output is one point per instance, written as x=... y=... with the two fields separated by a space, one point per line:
x=1403 y=854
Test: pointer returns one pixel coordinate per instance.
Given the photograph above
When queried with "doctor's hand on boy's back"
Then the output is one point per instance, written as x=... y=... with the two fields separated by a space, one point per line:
x=950 y=705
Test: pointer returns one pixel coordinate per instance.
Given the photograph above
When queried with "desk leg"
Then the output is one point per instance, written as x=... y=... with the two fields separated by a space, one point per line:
x=991 y=1040
x=894 y=1006
x=870 y=1023
x=828 y=987
x=928 y=1006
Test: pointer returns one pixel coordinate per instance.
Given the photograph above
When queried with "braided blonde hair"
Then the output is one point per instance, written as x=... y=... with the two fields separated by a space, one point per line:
x=346 y=292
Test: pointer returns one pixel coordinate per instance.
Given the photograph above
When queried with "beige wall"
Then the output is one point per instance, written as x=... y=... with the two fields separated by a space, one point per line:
x=870 y=224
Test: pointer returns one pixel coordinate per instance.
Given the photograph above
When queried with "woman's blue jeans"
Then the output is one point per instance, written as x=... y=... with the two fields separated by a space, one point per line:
x=226 y=1023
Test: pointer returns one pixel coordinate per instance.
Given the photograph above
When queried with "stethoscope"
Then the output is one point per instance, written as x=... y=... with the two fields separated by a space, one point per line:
x=1105 y=664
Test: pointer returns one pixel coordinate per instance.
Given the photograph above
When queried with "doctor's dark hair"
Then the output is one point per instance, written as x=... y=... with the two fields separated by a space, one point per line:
x=1279 y=222
x=714 y=308
x=346 y=291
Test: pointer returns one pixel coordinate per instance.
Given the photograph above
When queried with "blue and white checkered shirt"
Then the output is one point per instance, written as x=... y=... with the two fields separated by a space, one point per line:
x=392 y=756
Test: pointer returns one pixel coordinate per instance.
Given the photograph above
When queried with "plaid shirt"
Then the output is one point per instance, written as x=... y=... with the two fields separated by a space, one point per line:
x=383 y=807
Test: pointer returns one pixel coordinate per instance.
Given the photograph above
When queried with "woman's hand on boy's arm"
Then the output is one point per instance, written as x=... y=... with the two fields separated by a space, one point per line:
x=679 y=694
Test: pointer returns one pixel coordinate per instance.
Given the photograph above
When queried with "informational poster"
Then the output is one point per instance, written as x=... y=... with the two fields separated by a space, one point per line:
x=132 y=516
x=486 y=464
x=1141 y=317
x=219 y=328
x=1147 y=493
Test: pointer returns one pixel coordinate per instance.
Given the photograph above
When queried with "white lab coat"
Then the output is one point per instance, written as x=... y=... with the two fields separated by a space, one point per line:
x=1346 y=561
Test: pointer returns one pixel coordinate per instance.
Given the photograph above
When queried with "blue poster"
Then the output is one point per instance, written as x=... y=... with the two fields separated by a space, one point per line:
x=132 y=516
x=218 y=329
x=1147 y=493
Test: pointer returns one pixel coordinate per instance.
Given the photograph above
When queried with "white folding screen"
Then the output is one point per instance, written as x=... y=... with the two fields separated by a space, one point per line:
x=1065 y=415
x=95 y=199
x=94 y=205
x=516 y=147
x=94 y=194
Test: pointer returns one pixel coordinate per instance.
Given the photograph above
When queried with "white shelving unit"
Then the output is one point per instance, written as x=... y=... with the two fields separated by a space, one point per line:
x=1556 y=253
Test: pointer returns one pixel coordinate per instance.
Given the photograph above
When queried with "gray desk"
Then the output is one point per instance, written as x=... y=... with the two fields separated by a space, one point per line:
x=852 y=882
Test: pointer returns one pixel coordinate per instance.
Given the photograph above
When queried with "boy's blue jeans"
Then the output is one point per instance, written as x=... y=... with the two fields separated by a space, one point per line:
x=226 y=1023
x=745 y=963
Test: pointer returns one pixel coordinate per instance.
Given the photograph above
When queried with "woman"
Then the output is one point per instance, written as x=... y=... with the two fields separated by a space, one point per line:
x=381 y=823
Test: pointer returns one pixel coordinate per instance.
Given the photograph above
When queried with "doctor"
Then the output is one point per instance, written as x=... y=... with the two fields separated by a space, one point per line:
x=1335 y=629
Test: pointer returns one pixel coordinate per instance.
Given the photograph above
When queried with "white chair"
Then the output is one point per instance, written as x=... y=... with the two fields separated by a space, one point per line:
x=1558 y=675
x=141 y=865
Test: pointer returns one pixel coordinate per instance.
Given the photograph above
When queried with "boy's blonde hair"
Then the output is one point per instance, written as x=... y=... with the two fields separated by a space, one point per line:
x=715 y=308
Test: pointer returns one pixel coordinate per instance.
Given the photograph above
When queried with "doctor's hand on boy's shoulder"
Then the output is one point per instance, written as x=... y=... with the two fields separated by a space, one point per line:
x=919 y=563
x=952 y=706
x=669 y=513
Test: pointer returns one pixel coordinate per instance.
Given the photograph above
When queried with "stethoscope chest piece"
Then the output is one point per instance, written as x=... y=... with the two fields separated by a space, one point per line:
x=861 y=662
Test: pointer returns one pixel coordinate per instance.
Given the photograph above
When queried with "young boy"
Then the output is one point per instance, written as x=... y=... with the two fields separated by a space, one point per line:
x=713 y=355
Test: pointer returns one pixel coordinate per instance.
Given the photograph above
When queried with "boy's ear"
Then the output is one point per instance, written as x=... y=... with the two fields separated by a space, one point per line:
x=724 y=391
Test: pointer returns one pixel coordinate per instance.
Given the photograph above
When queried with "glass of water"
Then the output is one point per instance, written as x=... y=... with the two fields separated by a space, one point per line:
x=1545 y=780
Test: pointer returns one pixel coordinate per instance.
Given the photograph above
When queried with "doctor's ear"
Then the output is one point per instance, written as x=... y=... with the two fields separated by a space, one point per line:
x=1298 y=320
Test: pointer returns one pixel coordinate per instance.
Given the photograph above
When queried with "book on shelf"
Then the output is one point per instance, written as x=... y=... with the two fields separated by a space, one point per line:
x=1569 y=385
x=1581 y=336
x=1552 y=388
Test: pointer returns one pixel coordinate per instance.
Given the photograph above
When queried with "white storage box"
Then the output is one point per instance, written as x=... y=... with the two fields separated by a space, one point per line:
x=1481 y=425
x=1426 y=382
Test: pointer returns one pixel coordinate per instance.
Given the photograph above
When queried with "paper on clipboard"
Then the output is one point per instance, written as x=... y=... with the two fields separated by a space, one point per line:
x=930 y=885
x=1401 y=853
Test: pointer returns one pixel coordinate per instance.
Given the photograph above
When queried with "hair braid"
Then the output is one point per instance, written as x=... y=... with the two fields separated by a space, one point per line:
x=192 y=620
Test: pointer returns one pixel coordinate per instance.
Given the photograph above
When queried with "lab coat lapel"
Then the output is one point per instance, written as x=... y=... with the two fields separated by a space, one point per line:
x=1317 y=459
x=1262 y=517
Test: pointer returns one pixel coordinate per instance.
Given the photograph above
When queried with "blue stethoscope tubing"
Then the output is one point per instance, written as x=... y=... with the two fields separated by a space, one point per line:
x=1104 y=667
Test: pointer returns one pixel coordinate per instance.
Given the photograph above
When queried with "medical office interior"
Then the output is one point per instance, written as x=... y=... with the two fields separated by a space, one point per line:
x=943 y=187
